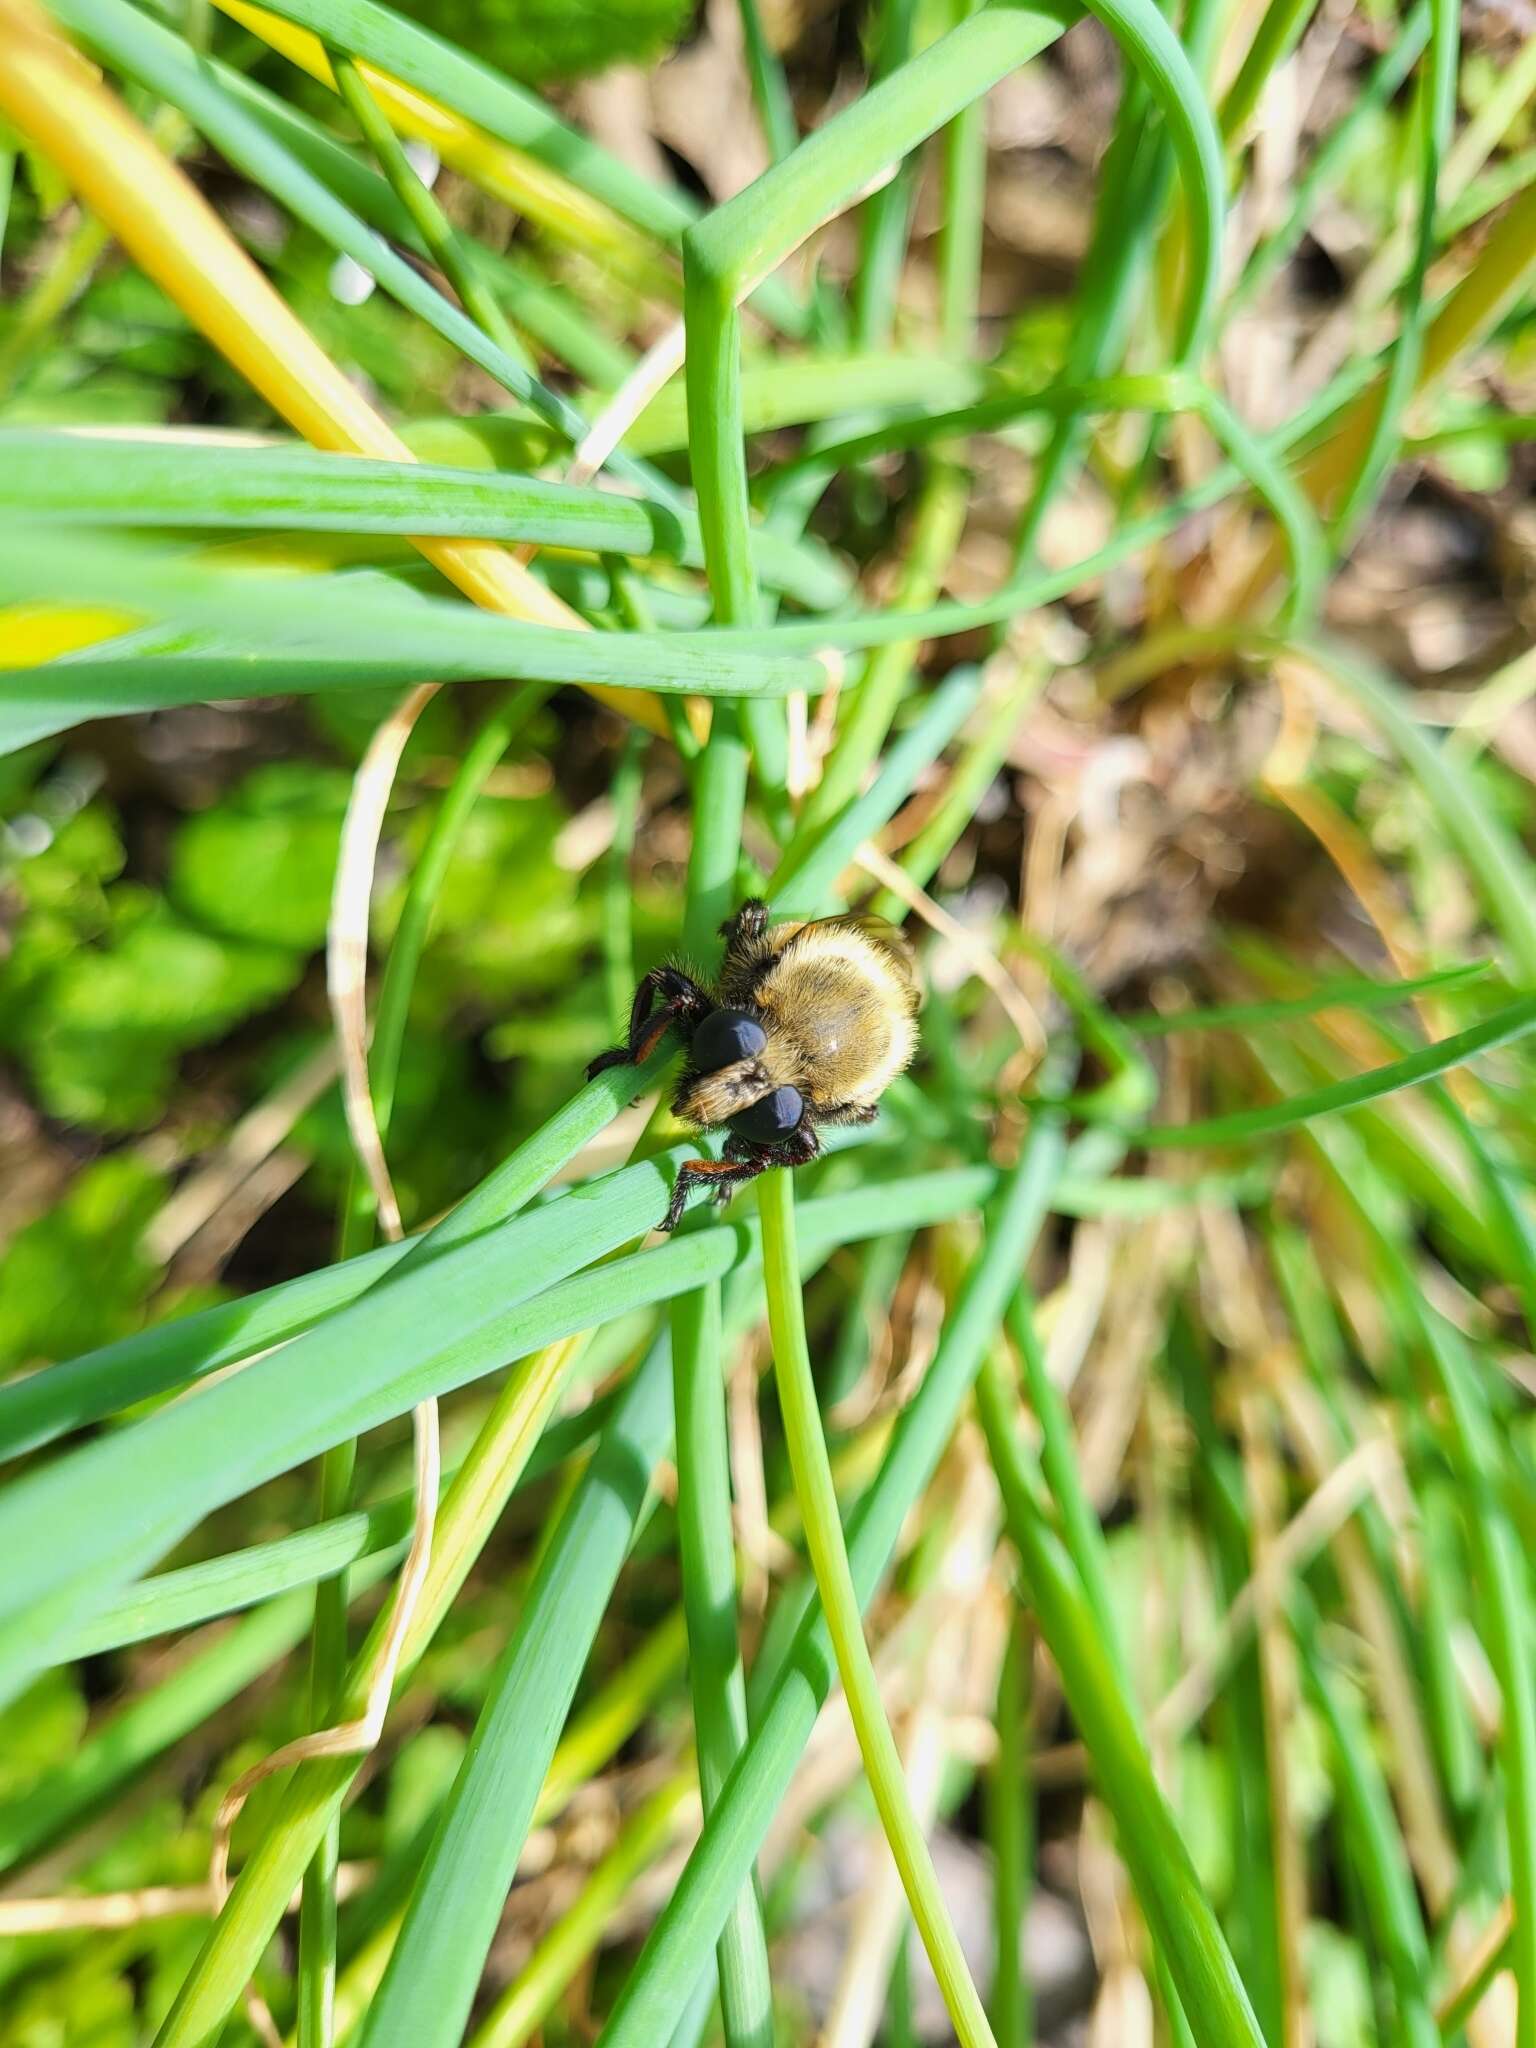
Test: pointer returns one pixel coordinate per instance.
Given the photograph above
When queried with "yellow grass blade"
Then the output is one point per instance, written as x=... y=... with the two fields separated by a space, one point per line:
x=56 y=101
x=1501 y=270
x=35 y=633
x=509 y=175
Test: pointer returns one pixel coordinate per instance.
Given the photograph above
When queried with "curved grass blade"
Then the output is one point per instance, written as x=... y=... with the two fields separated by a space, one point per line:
x=1505 y=1025
x=1350 y=992
x=815 y=1491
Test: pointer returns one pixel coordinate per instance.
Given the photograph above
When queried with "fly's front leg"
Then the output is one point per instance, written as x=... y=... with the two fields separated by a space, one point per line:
x=748 y=924
x=797 y=1149
x=682 y=1003
x=722 y=1176
x=749 y=953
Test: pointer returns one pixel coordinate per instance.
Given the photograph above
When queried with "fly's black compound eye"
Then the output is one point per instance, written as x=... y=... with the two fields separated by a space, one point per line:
x=724 y=1037
x=774 y=1116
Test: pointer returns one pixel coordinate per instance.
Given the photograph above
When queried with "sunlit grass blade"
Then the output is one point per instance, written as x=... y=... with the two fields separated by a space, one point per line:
x=1500 y=1029
x=840 y=1613
x=49 y=1404
x=680 y=1945
x=1349 y=992
x=196 y=1593
x=308 y=634
x=429 y=1986
x=499 y=105
x=510 y=174
x=81 y=479
x=407 y=1361
x=707 y=1546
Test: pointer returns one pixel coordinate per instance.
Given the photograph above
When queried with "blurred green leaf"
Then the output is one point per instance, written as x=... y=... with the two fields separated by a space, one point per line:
x=40 y=1728
x=259 y=865
x=508 y=916
x=1339 y=1988
x=100 y=1028
x=538 y=40
x=91 y=2005
x=96 y=1230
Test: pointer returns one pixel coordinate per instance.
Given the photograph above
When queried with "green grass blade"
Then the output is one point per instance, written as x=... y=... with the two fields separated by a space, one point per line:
x=679 y=1947
x=160 y=61
x=46 y=1405
x=1170 y=1892
x=233 y=1443
x=80 y=478
x=1349 y=992
x=1277 y=34
x=1386 y=1879
x=453 y=255
x=196 y=1593
x=707 y=1548
x=1438 y=115
x=1032 y=588
x=493 y=102
x=1507 y=1024
x=1498 y=864
x=1011 y=1832
x=170 y=1469
x=460 y=1890
x=303 y=635
x=817 y=1495
x=1473 y=1445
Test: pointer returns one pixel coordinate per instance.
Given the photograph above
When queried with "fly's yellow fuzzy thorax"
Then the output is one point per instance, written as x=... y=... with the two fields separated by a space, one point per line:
x=839 y=1009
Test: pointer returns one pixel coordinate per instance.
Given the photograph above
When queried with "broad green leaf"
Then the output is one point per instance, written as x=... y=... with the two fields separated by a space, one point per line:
x=541 y=40
x=95 y=1227
x=258 y=865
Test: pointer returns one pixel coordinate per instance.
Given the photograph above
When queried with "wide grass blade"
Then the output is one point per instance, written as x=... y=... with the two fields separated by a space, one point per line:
x=457 y=1900
x=707 y=1548
x=285 y=1408
x=83 y=479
